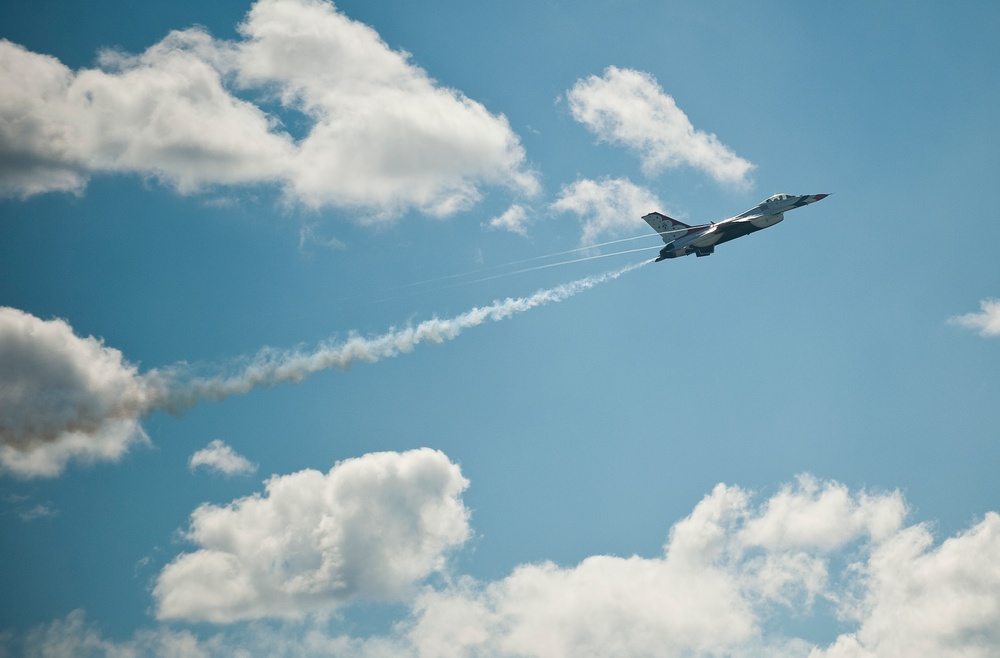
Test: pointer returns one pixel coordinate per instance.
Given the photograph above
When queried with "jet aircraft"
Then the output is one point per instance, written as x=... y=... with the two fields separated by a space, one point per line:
x=700 y=240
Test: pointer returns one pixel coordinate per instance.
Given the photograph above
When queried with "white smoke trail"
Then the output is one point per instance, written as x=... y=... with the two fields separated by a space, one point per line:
x=173 y=392
x=68 y=398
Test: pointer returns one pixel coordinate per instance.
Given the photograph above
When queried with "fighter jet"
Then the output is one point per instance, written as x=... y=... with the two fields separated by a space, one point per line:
x=700 y=240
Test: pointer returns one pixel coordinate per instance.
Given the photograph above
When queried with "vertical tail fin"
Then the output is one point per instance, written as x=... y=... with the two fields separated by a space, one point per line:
x=668 y=227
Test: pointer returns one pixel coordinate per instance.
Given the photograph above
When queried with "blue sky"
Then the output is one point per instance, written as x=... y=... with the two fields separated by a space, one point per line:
x=293 y=358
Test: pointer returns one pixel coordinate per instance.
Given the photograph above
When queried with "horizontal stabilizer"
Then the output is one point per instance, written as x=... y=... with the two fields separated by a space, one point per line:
x=668 y=227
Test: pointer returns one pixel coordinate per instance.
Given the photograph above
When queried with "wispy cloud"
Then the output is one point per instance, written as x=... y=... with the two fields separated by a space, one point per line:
x=310 y=234
x=629 y=107
x=607 y=208
x=514 y=219
x=66 y=398
x=730 y=575
x=986 y=321
x=37 y=512
x=26 y=511
x=383 y=137
x=219 y=457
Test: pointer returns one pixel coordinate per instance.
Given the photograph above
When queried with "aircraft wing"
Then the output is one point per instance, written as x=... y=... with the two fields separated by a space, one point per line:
x=734 y=228
x=741 y=220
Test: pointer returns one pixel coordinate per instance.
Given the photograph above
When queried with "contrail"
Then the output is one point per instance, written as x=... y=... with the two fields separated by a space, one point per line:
x=173 y=392
x=492 y=268
x=502 y=275
x=564 y=262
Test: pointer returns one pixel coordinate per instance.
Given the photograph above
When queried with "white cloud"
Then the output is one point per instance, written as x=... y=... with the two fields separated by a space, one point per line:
x=62 y=397
x=74 y=636
x=986 y=322
x=383 y=129
x=311 y=234
x=217 y=456
x=603 y=606
x=38 y=148
x=164 y=113
x=708 y=594
x=514 y=219
x=369 y=529
x=629 y=107
x=822 y=515
x=382 y=136
x=37 y=512
x=921 y=600
x=728 y=572
x=607 y=208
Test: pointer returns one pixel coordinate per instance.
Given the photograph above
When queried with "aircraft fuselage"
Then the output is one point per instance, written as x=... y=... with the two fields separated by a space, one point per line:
x=701 y=240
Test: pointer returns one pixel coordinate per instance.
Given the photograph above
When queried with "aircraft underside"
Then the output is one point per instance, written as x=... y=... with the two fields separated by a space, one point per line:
x=706 y=247
x=701 y=240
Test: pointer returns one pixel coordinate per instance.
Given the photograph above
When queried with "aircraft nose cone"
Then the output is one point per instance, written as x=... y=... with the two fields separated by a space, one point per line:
x=817 y=197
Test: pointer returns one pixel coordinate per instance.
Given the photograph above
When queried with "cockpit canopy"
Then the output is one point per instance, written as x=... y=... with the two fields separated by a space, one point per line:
x=777 y=197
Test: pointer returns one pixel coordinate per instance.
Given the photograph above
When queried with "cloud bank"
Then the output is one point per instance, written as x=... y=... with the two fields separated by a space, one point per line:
x=369 y=529
x=986 y=322
x=381 y=136
x=629 y=108
x=723 y=568
x=730 y=574
x=65 y=398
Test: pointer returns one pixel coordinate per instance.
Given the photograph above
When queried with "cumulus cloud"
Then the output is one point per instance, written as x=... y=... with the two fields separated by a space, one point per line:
x=370 y=528
x=986 y=322
x=514 y=219
x=822 y=515
x=708 y=593
x=922 y=600
x=728 y=570
x=629 y=108
x=382 y=136
x=606 y=208
x=383 y=129
x=63 y=397
x=729 y=573
x=219 y=457
x=164 y=113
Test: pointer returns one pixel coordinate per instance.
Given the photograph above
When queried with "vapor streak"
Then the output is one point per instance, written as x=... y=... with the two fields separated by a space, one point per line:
x=174 y=391
x=495 y=268
x=564 y=262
